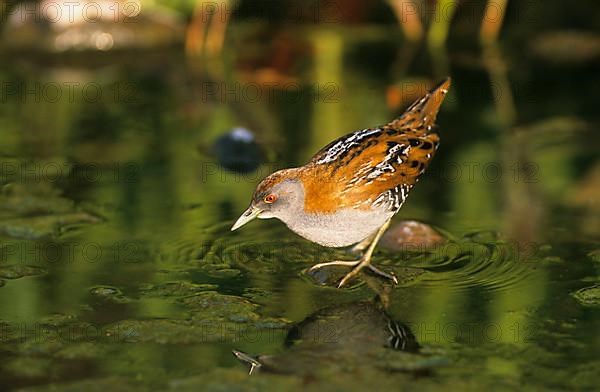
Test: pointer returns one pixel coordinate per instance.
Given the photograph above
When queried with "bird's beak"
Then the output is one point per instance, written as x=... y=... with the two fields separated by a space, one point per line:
x=247 y=216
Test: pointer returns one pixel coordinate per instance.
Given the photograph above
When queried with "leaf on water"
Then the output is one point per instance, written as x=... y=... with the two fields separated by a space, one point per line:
x=44 y=226
x=588 y=296
x=110 y=293
x=17 y=271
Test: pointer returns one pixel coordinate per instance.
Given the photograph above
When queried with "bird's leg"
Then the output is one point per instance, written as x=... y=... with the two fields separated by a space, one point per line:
x=364 y=261
x=362 y=245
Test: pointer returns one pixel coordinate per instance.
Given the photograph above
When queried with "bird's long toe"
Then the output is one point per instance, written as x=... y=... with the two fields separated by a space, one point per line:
x=379 y=272
x=334 y=263
x=362 y=264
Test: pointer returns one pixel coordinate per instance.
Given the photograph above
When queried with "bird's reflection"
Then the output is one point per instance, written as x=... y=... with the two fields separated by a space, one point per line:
x=358 y=326
x=343 y=336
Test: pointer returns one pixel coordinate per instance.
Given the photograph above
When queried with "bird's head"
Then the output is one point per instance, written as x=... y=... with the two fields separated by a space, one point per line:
x=277 y=196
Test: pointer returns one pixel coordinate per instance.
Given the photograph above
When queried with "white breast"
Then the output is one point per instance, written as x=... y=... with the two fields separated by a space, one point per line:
x=344 y=228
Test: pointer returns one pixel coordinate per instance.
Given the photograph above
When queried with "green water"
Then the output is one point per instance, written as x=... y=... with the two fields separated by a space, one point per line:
x=118 y=269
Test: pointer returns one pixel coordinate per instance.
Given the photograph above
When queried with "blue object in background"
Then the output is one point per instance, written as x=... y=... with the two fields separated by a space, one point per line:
x=238 y=151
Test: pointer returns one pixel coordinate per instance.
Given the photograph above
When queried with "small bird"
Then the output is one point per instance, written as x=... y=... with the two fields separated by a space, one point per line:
x=350 y=190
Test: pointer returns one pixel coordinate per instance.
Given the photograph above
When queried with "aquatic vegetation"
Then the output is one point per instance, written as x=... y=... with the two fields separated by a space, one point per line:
x=19 y=271
x=588 y=296
x=173 y=289
x=108 y=293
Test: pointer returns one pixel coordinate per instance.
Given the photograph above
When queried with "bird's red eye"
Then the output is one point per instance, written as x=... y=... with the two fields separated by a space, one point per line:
x=270 y=198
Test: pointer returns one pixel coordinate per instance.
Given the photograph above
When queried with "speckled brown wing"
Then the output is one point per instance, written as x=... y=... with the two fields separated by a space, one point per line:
x=375 y=166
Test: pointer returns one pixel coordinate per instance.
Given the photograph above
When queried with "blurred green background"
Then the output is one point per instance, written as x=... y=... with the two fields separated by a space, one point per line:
x=121 y=174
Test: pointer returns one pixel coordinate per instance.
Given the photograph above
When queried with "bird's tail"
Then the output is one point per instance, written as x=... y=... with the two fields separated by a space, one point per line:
x=422 y=113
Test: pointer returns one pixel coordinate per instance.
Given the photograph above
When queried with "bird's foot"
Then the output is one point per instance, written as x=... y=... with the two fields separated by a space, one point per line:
x=357 y=266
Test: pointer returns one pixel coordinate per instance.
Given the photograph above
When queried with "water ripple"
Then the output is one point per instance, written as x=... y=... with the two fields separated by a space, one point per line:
x=469 y=262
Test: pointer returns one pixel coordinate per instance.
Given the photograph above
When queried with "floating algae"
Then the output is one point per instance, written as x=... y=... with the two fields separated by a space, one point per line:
x=588 y=296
